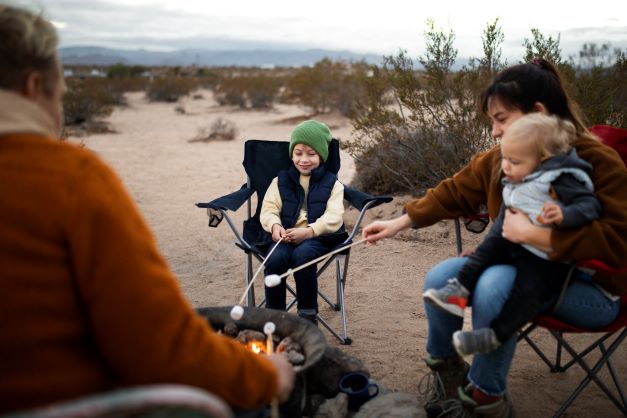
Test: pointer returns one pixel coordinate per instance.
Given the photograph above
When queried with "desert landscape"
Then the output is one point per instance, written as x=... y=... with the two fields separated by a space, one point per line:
x=154 y=152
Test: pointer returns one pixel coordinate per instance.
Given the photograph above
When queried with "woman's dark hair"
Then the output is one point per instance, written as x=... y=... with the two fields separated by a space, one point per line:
x=523 y=85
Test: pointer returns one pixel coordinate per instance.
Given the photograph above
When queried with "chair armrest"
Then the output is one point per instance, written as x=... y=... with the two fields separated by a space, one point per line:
x=600 y=266
x=360 y=199
x=232 y=201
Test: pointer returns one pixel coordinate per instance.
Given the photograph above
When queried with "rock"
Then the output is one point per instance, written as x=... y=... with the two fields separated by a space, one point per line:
x=312 y=404
x=288 y=344
x=324 y=376
x=295 y=358
x=231 y=329
x=333 y=408
x=392 y=405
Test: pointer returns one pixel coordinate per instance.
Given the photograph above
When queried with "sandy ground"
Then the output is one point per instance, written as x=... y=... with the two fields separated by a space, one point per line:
x=166 y=175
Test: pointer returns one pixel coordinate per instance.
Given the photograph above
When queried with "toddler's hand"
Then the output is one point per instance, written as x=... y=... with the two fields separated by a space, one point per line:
x=551 y=214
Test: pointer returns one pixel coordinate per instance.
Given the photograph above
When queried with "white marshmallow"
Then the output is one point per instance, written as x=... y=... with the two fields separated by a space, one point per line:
x=237 y=312
x=272 y=280
x=269 y=328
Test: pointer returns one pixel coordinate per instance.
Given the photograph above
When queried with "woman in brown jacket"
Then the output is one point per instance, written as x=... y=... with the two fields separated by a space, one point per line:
x=521 y=89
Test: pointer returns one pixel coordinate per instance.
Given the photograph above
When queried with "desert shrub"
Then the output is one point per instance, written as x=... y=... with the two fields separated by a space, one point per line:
x=328 y=86
x=125 y=71
x=413 y=129
x=231 y=92
x=599 y=85
x=220 y=129
x=208 y=78
x=85 y=100
x=169 y=89
x=256 y=91
x=262 y=91
x=595 y=81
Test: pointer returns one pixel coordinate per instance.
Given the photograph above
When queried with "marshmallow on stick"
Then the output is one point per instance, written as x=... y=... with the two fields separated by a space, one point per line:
x=237 y=311
x=273 y=280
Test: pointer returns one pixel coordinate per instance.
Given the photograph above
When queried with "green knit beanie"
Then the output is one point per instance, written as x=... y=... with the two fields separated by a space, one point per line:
x=313 y=133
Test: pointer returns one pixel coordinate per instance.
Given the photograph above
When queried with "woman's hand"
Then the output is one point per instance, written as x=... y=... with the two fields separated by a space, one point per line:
x=517 y=228
x=298 y=235
x=277 y=232
x=285 y=375
x=385 y=229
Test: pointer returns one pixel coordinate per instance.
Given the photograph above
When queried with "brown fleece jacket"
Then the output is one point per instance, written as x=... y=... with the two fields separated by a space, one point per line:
x=604 y=239
x=87 y=302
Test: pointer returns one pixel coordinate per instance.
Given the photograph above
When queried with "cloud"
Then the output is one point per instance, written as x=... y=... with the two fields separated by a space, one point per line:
x=363 y=26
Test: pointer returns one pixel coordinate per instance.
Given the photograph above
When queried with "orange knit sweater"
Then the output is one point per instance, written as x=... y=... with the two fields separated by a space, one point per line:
x=604 y=239
x=87 y=302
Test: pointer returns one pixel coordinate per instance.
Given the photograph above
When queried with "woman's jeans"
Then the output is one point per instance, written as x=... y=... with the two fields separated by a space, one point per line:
x=583 y=305
x=288 y=256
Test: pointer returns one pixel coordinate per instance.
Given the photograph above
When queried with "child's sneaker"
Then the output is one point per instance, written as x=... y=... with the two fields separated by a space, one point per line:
x=452 y=298
x=482 y=340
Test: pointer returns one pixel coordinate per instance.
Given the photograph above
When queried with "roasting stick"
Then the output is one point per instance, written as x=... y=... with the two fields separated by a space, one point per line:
x=237 y=312
x=274 y=279
x=269 y=329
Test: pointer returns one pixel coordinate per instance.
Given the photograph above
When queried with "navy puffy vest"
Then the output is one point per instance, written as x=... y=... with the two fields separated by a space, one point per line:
x=293 y=196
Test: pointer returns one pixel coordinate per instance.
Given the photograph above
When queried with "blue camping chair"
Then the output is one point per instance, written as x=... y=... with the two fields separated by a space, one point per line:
x=262 y=162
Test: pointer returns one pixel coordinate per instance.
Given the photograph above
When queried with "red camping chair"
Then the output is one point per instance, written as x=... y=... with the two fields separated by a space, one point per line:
x=617 y=139
x=557 y=328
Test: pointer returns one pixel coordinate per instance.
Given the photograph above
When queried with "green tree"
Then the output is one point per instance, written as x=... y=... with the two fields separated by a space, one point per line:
x=414 y=128
x=541 y=46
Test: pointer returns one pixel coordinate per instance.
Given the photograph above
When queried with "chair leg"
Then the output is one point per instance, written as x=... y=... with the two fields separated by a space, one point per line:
x=340 y=278
x=341 y=282
x=592 y=376
x=524 y=335
x=250 y=297
x=558 y=353
x=610 y=368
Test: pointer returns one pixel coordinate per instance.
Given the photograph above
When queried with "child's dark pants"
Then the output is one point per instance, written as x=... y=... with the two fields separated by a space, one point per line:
x=288 y=256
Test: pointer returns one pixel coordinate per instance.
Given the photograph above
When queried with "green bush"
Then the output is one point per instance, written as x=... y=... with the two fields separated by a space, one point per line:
x=329 y=86
x=86 y=100
x=169 y=89
x=413 y=129
x=257 y=91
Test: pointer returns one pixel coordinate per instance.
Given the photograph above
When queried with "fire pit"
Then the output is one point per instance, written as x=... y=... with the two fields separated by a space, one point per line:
x=287 y=325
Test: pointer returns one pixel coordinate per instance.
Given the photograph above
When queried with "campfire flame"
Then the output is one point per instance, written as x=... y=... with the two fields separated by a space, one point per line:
x=256 y=346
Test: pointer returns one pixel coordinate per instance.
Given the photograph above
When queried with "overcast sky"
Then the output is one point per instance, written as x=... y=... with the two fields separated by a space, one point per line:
x=380 y=27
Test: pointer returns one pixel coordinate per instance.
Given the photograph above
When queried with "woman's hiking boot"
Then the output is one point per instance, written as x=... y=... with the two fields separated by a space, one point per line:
x=466 y=407
x=445 y=376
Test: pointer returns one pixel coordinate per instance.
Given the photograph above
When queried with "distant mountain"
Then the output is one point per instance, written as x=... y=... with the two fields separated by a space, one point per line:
x=91 y=55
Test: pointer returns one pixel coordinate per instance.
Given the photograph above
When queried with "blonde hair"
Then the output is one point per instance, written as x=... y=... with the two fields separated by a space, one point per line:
x=547 y=135
x=28 y=43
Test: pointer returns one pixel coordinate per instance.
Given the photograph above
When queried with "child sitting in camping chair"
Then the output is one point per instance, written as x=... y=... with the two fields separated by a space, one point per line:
x=303 y=208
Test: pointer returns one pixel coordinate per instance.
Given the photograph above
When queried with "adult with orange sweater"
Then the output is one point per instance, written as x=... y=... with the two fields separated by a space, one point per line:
x=87 y=302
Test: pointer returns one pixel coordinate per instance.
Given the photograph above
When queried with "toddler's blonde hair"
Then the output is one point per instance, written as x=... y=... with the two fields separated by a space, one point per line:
x=548 y=135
